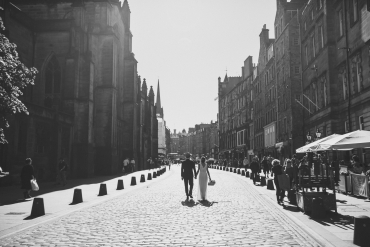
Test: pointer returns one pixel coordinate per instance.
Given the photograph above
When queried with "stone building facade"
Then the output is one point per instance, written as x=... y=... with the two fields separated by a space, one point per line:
x=335 y=61
x=83 y=106
x=288 y=78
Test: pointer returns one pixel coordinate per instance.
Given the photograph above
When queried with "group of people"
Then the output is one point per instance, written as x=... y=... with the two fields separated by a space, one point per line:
x=274 y=168
x=128 y=165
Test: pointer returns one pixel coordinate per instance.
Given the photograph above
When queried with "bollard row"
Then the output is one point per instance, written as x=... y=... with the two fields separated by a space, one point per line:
x=38 y=208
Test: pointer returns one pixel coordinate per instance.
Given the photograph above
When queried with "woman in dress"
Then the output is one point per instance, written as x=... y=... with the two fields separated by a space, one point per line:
x=203 y=179
x=277 y=169
x=26 y=176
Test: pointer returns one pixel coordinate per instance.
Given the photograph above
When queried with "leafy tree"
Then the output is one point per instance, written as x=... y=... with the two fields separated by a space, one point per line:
x=14 y=77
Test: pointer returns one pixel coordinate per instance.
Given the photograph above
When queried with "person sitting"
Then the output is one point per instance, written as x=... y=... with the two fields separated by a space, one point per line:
x=357 y=168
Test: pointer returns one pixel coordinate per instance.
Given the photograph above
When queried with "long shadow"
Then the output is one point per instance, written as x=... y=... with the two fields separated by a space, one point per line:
x=344 y=222
x=291 y=208
x=207 y=203
x=189 y=203
x=13 y=194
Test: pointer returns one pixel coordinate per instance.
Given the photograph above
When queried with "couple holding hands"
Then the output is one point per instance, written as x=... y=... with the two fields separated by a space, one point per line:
x=187 y=168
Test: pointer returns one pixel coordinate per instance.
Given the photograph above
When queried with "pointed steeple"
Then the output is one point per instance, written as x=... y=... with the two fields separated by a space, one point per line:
x=151 y=96
x=144 y=88
x=158 y=102
x=226 y=78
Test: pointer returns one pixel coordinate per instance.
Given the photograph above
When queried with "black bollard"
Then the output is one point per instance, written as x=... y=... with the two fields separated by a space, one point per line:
x=154 y=174
x=263 y=181
x=133 y=180
x=102 y=190
x=270 y=184
x=224 y=168
x=77 y=196
x=361 y=234
x=243 y=173
x=238 y=171
x=142 y=178
x=120 y=184
x=38 y=207
x=149 y=176
x=247 y=174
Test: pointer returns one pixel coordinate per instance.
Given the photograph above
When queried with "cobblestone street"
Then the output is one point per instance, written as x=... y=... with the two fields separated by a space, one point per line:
x=157 y=215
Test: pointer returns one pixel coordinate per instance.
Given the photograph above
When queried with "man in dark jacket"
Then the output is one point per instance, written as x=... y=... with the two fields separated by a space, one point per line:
x=255 y=167
x=187 y=168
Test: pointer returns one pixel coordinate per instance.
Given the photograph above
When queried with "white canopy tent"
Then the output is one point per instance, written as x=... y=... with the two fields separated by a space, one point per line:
x=355 y=139
x=313 y=145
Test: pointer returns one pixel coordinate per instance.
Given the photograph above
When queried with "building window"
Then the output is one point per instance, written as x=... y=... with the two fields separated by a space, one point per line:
x=305 y=25
x=321 y=36
x=319 y=4
x=354 y=11
x=313 y=46
x=344 y=85
x=276 y=31
x=361 y=122
x=306 y=54
x=346 y=126
x=311 y=15
x=282 y=45
x=285 y=125
x=341 y=27
x=281 y=25
x=295 y=41
x=296 y=70
x=52 y=77
x=357 y=71
x=283 y=72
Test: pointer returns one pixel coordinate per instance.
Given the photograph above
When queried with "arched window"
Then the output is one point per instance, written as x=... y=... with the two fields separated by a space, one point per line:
x=52 y=77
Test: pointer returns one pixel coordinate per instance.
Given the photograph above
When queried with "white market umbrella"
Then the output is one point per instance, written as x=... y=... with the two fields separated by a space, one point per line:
x=313 y=145
x=355 y=139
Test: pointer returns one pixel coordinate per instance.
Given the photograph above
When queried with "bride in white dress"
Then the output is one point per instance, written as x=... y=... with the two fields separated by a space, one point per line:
x=203 y=179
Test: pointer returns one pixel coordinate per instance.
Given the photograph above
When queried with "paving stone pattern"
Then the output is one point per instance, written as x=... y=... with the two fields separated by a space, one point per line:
x=158 y=216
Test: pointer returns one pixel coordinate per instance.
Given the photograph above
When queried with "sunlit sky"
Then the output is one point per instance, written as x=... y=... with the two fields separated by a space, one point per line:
x=188 y=44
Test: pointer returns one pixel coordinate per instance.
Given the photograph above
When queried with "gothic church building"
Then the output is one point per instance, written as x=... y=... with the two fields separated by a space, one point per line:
x=87 y=104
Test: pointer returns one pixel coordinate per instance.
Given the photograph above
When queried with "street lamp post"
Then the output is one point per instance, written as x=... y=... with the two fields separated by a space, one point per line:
x=308 y=137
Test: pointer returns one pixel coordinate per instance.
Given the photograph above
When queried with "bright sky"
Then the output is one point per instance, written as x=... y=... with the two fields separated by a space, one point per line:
x=188 y=44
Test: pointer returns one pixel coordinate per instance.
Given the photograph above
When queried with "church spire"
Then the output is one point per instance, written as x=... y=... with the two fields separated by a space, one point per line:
x=158 y=102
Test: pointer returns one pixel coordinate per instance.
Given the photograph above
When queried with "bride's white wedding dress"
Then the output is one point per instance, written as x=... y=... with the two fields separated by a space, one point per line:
x=203 y=182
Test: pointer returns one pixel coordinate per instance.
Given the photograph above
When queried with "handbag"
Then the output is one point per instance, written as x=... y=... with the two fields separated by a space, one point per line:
x=34 y=185
x=212 y=182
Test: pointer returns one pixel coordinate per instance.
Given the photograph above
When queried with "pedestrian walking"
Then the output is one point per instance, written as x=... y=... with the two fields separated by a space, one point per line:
x=288 y=169
x=246 y=163
x=132 y=165
x=187 y=168
x=126 y=163
x=269 y=161
x=265 y=166
x=62 y=172
x=203 y=179
x=277 y=170
x=27 y=174
x=255 y=167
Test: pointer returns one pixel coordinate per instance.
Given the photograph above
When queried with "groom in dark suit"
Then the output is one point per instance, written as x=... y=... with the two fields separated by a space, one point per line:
x=187 y=168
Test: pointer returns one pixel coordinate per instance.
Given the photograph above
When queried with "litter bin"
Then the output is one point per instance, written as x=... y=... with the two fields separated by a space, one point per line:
x=318 y=208
x=361 y=234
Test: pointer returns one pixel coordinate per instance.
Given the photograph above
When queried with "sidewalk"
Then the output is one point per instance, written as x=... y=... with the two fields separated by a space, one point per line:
x=14 y=210
x=335 y=228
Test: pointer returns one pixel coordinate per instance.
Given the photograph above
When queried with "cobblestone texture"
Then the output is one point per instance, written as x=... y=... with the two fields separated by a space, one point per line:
x=158 y=216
